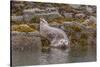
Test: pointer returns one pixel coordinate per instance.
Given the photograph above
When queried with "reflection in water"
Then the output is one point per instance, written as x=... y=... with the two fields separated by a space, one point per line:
x=25 y=58
x=83 y=54
x=54 y=56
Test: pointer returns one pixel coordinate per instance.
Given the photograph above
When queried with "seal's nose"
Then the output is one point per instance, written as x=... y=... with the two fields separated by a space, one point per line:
x=41 y=19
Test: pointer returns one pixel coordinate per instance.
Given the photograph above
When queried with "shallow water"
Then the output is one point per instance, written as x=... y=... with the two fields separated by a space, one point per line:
x=53 y=56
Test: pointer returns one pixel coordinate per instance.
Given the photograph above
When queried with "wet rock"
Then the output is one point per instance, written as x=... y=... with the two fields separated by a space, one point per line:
x=89 y=9
x=90 y=21
x=75 y=6
x=17 y=18
x=68 y=15
x=22 y=40
x=57 y=25
x=80 y=34
x=22 y=28
x=80 y=15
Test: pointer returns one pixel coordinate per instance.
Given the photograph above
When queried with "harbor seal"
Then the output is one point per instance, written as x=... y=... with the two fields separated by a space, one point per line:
x=56 y=36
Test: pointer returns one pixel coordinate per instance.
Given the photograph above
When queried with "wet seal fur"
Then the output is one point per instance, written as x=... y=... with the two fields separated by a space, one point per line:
x=56 y=36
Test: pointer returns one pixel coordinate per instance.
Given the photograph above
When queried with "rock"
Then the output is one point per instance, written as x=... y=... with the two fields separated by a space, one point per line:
x=55 y=24
x=22 y=28
x=68 y=15
x=80 y=15
x=34 y=26
x=75 y=6
x=22 y=40
x=50 y=13
x=90 y=21
x=17 y=18
x=79 y=33
x=89 y=9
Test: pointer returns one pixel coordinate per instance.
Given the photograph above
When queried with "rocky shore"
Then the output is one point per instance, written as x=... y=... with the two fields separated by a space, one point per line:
x=77 y=33
x=78 y=22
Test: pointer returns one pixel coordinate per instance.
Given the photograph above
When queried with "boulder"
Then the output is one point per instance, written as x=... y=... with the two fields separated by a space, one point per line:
x=68 y=15
x=22 y=40
x=90 y=21
x=80 y=15
x=79 y=34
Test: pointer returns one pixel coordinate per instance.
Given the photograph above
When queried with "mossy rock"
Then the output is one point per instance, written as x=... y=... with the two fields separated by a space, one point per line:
x=35 y=19
x=76 y=28
x=59 y=20
x=74 y=19
x=32 y=26
x=22 y=28
x=45 y=42
x=73 y=28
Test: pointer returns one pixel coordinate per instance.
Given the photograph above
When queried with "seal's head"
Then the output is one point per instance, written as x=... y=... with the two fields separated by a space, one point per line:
x=43 y=21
